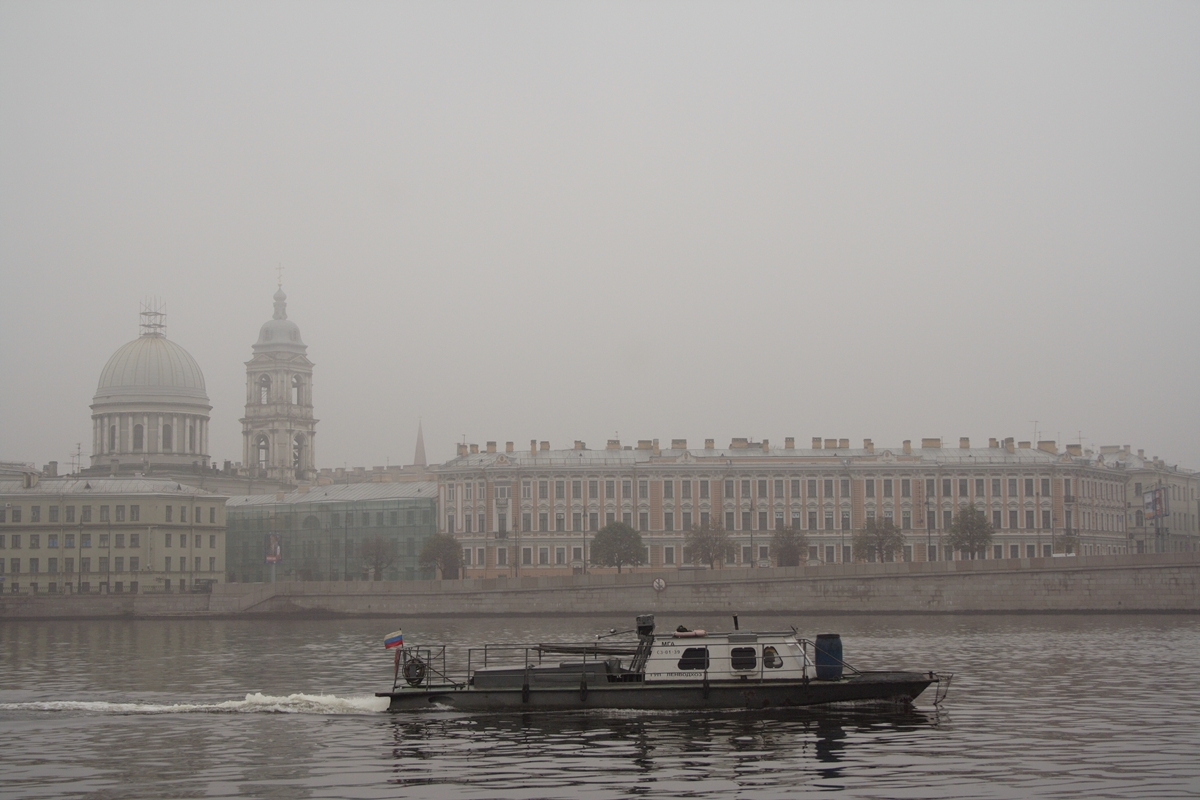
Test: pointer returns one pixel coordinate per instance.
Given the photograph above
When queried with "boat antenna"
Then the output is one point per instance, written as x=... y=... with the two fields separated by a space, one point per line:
x=735 y=623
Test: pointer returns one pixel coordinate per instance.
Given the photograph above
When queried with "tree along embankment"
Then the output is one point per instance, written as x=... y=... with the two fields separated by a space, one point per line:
x=1167 y=582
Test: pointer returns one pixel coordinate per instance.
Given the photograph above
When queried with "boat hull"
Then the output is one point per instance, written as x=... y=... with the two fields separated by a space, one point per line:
x=897 y=687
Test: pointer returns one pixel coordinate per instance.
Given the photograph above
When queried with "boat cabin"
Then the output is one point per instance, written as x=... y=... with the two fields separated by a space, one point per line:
x=697 y=655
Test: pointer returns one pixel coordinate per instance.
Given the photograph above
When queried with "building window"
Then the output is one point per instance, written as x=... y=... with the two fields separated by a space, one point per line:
x=543 y=521
x=610 y=490
x=560 y=522
x=543 y=490
x=1012 y=519
x=576 y=490
x=828 y=520
x=869 y=484
x=137 y=437
x=947 y=519
x=762 y=488
x=668 y=490
x=543 y=555
x=560 y=555
x=729 y=521
x=728 y=489
x=905 y=488
x=1029 y=519
x=1046 y=519
x=887 y=487
x=962 y=487
x=501 y=556
x=627 y=490
x=104 y=513
x=795 y=488
x=166 y=438
x=526 y=519
x=845 y=520
x=643 y=490
x=668 y=555
x=560 y=490
x=979 y=487
x=527 y=556
x=945 y=487
x=996 y=519
x=593 y=489
x=762 y=521
x=264 y=390
x=577 y=521
x=906 y=520
x=1029 y=487
x=812 y=488
x=668 y=521
x=685 y=490
x=828 y=487
x=704 y=490
x=644 y=521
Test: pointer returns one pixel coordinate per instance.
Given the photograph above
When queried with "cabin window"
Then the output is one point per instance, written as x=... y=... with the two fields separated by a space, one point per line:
x=743 y=658
x=771 y=659
x=694 y=658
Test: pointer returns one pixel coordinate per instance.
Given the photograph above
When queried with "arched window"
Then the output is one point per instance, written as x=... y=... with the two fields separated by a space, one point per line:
x=112 y=438
x=191 y=438
x=298 y=455
x=137 y=437
x=264 y=390
x=297 y=386
x=263 y=452
x=166 y=438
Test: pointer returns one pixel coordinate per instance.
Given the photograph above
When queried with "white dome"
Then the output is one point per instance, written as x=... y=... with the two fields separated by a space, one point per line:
x=280 y=333
x=151 y=367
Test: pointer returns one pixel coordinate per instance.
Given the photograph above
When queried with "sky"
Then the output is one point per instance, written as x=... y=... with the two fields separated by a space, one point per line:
x=562 y=221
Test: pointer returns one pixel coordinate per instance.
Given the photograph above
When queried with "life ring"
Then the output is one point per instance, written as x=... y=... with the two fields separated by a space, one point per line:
x=414 y=671
x=658 y=585
x=691 y=634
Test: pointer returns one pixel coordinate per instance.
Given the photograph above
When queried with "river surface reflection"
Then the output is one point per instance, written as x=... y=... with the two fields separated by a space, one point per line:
x=1049 y=706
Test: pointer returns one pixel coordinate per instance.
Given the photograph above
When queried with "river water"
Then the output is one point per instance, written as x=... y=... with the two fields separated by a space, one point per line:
x=1046 y=706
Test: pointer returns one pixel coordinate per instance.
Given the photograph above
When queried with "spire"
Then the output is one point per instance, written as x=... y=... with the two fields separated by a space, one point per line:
x=280 y=304
x=419 y=455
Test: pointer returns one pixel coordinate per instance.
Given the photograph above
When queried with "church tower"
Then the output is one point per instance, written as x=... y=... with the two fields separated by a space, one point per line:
x=278 y=431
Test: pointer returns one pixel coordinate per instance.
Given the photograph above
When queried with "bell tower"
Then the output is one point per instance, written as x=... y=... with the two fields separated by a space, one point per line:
x=279 y=431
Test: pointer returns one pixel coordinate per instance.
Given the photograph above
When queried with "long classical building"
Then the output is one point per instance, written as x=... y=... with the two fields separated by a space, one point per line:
x=532 y=511
x=356 y=531
x=82 y=535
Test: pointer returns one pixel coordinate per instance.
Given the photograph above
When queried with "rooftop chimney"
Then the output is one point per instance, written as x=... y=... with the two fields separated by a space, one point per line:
x=908 y=447
x=843 y=444
x=993 y=442
x=533 y=447
x=579 y=445
x=964 y=442
x=645 y=444
x=462 y=450
x=1048 y=446
x=491 y=447
x=474 y=449
x=655 y=449
x=613 y=444
x=544 y=447
x=1025 y=445
x=1075 y=450
x=831 y=444
x=789 y=442
x=868 y=445
x=1008 y=445
x=508 y=447
x=710 y=444
x=766 y=445
x=679 y=444
x=738 y=444
x=934 y=444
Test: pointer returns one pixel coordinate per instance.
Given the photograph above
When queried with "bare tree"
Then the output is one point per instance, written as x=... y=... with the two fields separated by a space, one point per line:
x=378 y=554
x=709 y=543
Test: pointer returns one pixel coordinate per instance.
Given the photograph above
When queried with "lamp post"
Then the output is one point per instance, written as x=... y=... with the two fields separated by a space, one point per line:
x=79 y=561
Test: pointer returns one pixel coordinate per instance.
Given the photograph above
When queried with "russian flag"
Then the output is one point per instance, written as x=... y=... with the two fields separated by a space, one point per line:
x=394 y=640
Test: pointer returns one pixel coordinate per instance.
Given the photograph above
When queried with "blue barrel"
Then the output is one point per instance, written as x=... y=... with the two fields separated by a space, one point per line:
x=829 y=657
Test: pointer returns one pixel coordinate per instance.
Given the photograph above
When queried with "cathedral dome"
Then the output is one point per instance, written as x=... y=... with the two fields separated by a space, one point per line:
x=151 y=367
x=280 y=333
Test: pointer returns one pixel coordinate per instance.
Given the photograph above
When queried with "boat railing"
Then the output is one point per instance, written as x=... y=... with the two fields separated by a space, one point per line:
x=423 y=668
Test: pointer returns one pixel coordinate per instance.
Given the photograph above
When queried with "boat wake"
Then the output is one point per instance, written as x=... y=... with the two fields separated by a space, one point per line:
x=255 y=702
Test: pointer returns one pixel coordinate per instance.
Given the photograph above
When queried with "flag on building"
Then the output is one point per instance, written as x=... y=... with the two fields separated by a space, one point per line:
x=394 y=640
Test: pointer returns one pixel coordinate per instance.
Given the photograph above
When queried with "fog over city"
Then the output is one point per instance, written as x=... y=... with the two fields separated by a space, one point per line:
x=510 y=221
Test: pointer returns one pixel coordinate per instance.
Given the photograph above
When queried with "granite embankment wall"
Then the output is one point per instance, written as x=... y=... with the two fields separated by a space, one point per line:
x=1145 y=583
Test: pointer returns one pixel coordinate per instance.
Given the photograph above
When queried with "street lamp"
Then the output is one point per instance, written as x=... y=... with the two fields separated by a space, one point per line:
x=928 y=529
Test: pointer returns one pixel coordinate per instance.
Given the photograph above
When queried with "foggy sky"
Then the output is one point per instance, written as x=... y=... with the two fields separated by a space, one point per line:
x=575 y=221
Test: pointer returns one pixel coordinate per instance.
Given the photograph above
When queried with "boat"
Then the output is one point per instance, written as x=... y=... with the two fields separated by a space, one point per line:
x=680 y=670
